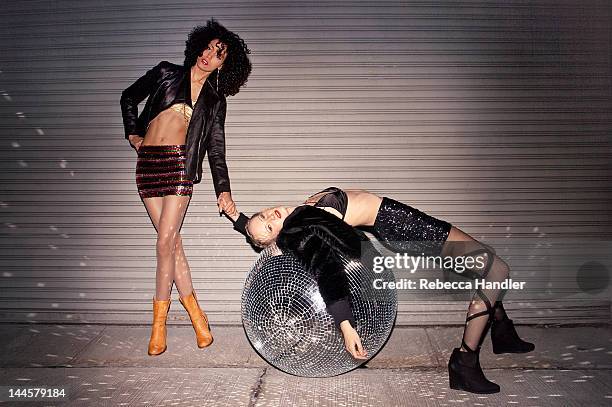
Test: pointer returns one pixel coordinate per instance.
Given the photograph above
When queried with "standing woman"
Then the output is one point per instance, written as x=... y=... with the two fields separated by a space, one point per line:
x=183 y=120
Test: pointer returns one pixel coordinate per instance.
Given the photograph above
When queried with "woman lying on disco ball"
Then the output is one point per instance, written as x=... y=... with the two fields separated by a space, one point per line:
x=313 y=236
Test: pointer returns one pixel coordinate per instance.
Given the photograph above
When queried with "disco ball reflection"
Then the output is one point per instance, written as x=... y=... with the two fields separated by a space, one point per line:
x=286 y=321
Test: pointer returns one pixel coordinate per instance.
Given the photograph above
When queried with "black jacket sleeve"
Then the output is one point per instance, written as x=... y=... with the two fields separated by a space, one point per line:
x=136 y=93
x=341 y=311
x=216 y=151
x=319 y=240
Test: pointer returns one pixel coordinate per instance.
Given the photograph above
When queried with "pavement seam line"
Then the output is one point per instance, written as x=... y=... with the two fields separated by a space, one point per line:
x=256 y=389
x=434 y=348
x=93 y=340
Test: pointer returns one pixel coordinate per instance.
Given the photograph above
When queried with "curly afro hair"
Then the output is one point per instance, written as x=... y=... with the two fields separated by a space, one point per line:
x=236 y=67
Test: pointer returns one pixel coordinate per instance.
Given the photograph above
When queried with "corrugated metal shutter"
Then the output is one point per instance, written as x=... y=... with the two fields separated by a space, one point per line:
x=492 y=115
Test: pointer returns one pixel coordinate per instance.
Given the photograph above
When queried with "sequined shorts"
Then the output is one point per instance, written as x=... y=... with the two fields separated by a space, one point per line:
x=160 y=171
x=403 y=228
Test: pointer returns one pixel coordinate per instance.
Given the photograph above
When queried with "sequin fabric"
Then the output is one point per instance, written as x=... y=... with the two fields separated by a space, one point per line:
x=403 y=228
x=160 y=171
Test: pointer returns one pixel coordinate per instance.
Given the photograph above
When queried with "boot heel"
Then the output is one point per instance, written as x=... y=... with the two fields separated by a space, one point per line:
x=454 y=380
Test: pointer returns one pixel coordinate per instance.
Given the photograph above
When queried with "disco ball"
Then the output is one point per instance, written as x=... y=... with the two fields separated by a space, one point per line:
x=286 y=321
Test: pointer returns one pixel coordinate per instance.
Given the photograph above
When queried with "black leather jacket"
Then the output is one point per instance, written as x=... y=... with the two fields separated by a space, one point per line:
x=165 y=85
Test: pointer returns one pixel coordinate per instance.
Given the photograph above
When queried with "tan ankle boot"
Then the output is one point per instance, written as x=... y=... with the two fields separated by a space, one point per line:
x=157 y=343
x=198 y=320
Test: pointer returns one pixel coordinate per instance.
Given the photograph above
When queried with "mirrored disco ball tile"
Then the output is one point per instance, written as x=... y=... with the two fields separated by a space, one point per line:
x=286 y=321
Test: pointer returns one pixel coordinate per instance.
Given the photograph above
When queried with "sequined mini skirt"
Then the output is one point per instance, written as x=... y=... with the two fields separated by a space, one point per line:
x=160 y=171
x=403 y=228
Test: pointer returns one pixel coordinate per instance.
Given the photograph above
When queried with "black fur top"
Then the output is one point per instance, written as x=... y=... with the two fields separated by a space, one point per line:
x=319 y=240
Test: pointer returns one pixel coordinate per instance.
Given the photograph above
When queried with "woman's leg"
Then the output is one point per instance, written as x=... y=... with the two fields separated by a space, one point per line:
x=167 y=214
x=403 y=228
x=464 y=368
x=182 y=272
x=494 y=269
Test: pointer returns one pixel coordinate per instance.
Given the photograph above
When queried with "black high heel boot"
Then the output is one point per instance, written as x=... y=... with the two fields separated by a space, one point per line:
x=504 y=337
x=464 y=371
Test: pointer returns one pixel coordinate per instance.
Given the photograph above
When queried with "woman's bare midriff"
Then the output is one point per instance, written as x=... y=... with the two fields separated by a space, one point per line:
x=362 y=207
x=167 y=128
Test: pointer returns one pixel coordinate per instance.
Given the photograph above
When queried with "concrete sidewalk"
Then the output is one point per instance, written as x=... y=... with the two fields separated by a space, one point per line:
x=102 y=365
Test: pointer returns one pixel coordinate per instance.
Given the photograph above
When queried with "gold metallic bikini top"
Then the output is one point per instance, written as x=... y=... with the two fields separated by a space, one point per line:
x=184 y=109
x=181 y=108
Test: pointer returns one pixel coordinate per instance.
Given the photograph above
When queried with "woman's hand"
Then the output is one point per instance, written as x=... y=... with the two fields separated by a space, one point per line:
x=226 y=204
x=352 y=342
x=135 y=141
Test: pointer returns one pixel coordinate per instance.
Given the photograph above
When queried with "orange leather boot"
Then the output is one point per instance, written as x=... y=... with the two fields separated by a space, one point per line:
x=198 y=320
x=157 y=343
